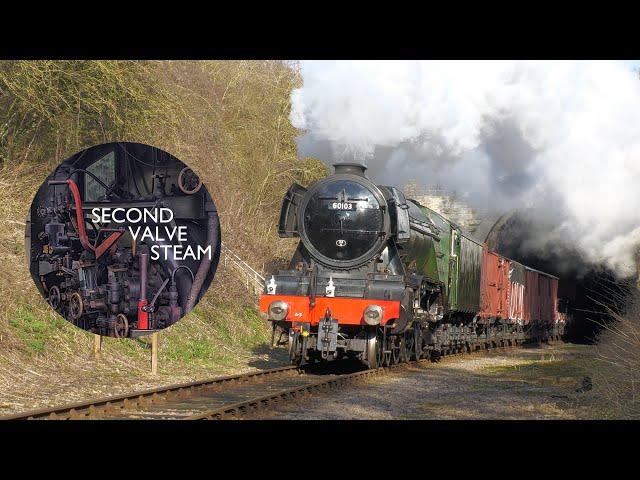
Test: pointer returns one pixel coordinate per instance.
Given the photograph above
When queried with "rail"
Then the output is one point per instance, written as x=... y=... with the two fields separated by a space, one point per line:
x=234 y=396
x=116 y=405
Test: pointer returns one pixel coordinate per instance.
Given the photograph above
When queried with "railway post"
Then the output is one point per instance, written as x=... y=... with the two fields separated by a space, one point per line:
x=154 y=353
x=97 y=346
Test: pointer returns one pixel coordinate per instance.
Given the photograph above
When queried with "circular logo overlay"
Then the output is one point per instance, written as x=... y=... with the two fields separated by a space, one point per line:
x=123 y=238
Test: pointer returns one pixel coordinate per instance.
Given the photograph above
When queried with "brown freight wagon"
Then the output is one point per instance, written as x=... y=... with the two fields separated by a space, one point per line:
x=540 y=297
x=548 y=287
x=495 y=286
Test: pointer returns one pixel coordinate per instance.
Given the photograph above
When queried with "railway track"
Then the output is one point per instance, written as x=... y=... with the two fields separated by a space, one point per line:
x=246 y=408
x=149 y=403
x=223 y=397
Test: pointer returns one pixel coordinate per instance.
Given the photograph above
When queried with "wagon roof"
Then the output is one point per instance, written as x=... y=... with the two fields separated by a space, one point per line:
x=532 y=269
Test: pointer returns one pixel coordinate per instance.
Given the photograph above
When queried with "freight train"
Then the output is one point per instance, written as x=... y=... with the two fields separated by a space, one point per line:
x=109 y=235
x=383 y=279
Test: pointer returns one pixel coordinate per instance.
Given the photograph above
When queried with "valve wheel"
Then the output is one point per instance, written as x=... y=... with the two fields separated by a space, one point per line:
x=188 y=181
x=76 y=306
x=121 y=326
x=55 y=298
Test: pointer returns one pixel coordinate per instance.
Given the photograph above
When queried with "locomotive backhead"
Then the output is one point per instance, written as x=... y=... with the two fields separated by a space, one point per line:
x=123 y=239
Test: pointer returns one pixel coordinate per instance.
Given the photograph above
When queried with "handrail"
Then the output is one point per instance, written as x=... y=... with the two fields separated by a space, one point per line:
x=252 y=277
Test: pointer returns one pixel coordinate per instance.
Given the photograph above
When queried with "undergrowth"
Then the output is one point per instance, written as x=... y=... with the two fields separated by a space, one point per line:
x=226 y=119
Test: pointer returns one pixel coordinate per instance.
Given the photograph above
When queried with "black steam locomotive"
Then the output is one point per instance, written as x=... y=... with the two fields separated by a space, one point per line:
x=384 y=279
x=92 y=269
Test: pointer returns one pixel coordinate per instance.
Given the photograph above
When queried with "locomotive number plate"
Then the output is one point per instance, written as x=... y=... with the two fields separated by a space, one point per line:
x=341 y=206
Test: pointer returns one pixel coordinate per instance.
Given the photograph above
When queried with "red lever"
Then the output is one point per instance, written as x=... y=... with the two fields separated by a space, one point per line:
x=143 y=316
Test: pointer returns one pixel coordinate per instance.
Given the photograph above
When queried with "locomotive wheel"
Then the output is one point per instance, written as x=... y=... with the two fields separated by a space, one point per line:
x=410 y=345
x=405 y=351
x=396 y=349
x=374 y=350
x=417 y=342
x=295 y=348
x=436 y=355
x=121 y=326
x=55 y=297
x=384 y=359
x=76 y=306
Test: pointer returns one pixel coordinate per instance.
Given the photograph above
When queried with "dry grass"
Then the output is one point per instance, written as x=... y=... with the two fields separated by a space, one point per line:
x=617 y=376
x=228 y=120
x=239 y=131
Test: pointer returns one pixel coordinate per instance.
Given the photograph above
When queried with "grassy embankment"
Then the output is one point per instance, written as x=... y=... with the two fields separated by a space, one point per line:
x=228 y=120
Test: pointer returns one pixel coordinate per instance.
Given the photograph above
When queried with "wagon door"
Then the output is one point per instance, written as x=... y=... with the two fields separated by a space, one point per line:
x=516 y=292
x=494 y=286
x=453 y=270
x=532 y=297
x=503 y=287
x=546 y=300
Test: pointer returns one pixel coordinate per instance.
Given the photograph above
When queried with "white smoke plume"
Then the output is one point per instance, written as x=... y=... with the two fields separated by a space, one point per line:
x=560 y=138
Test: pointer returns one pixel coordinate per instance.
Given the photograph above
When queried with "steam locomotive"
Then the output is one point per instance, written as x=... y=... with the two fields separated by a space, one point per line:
x=92 y=269
x=384 y=279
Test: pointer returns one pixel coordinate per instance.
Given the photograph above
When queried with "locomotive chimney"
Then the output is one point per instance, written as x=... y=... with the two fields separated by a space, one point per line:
x=351 y=168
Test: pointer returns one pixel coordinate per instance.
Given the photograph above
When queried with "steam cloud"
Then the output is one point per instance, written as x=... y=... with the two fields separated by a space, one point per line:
x=558 y=139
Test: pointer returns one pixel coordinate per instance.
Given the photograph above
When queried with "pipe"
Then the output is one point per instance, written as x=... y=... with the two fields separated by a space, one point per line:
x=143 y=315
x=144 y=263
x=82 y=232
x=205 y=263
x=173 y=274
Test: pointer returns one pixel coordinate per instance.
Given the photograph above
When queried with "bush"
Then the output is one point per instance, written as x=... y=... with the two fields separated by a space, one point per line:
x=617 y=362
